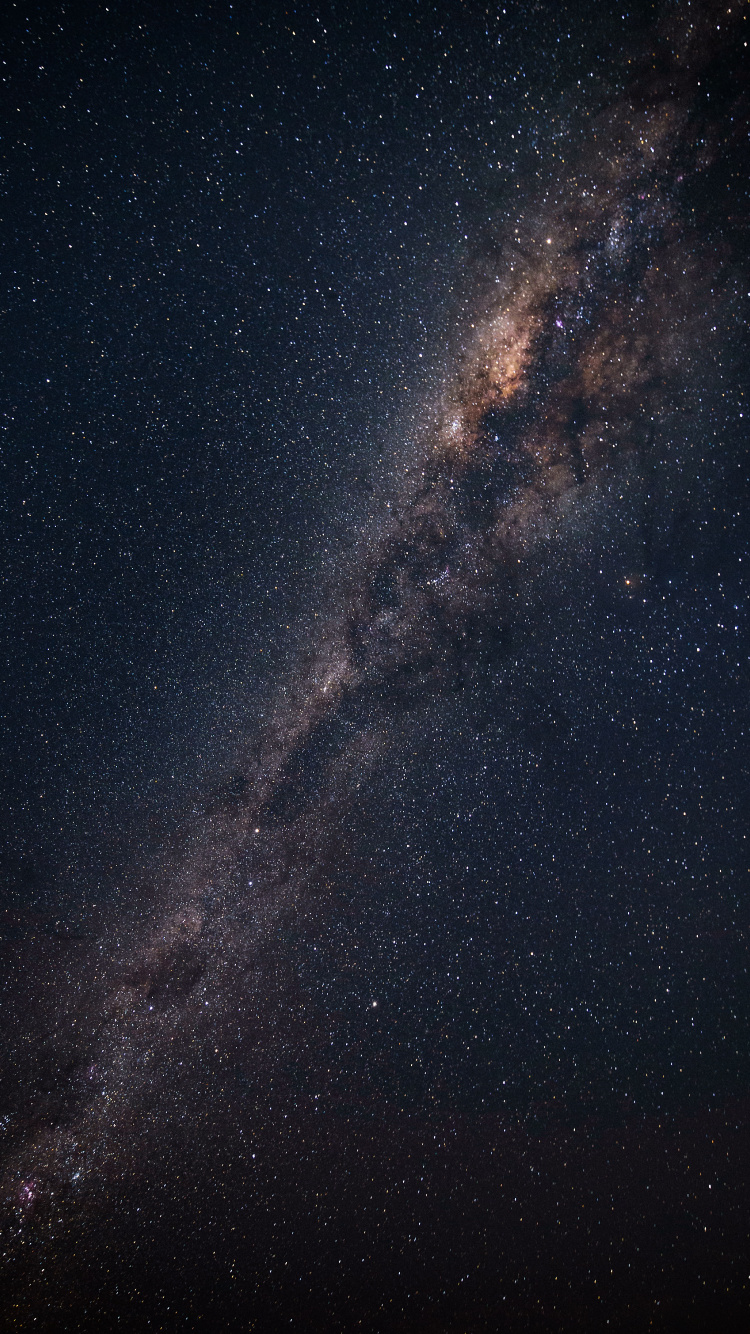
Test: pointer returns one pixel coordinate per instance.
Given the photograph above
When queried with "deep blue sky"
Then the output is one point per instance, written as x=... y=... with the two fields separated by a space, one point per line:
x=232 y=244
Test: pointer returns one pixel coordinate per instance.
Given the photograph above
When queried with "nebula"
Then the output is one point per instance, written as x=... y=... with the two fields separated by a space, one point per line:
x=587 y=331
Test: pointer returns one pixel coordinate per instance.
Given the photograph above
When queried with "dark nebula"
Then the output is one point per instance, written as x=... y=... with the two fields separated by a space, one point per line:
x=432 y=1012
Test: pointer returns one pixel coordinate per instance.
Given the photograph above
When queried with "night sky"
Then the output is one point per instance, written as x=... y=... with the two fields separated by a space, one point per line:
x=374 y=698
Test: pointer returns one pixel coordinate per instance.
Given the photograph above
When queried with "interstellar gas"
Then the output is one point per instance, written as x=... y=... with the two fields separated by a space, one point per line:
x=588 y=333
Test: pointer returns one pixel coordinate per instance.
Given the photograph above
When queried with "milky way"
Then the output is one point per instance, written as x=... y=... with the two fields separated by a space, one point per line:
x=578 y=365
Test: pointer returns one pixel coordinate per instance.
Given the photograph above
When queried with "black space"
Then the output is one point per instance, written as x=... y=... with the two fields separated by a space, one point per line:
x=481 y=1050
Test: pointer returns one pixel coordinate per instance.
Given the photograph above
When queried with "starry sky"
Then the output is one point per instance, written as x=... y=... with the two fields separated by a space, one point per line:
x=374 y=710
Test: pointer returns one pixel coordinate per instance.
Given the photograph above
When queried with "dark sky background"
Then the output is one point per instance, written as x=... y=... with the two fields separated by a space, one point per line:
x=229 y=239
x=242 y=246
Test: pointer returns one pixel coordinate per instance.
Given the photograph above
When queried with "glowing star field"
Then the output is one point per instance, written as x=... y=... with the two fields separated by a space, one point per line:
x=428 y=1009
